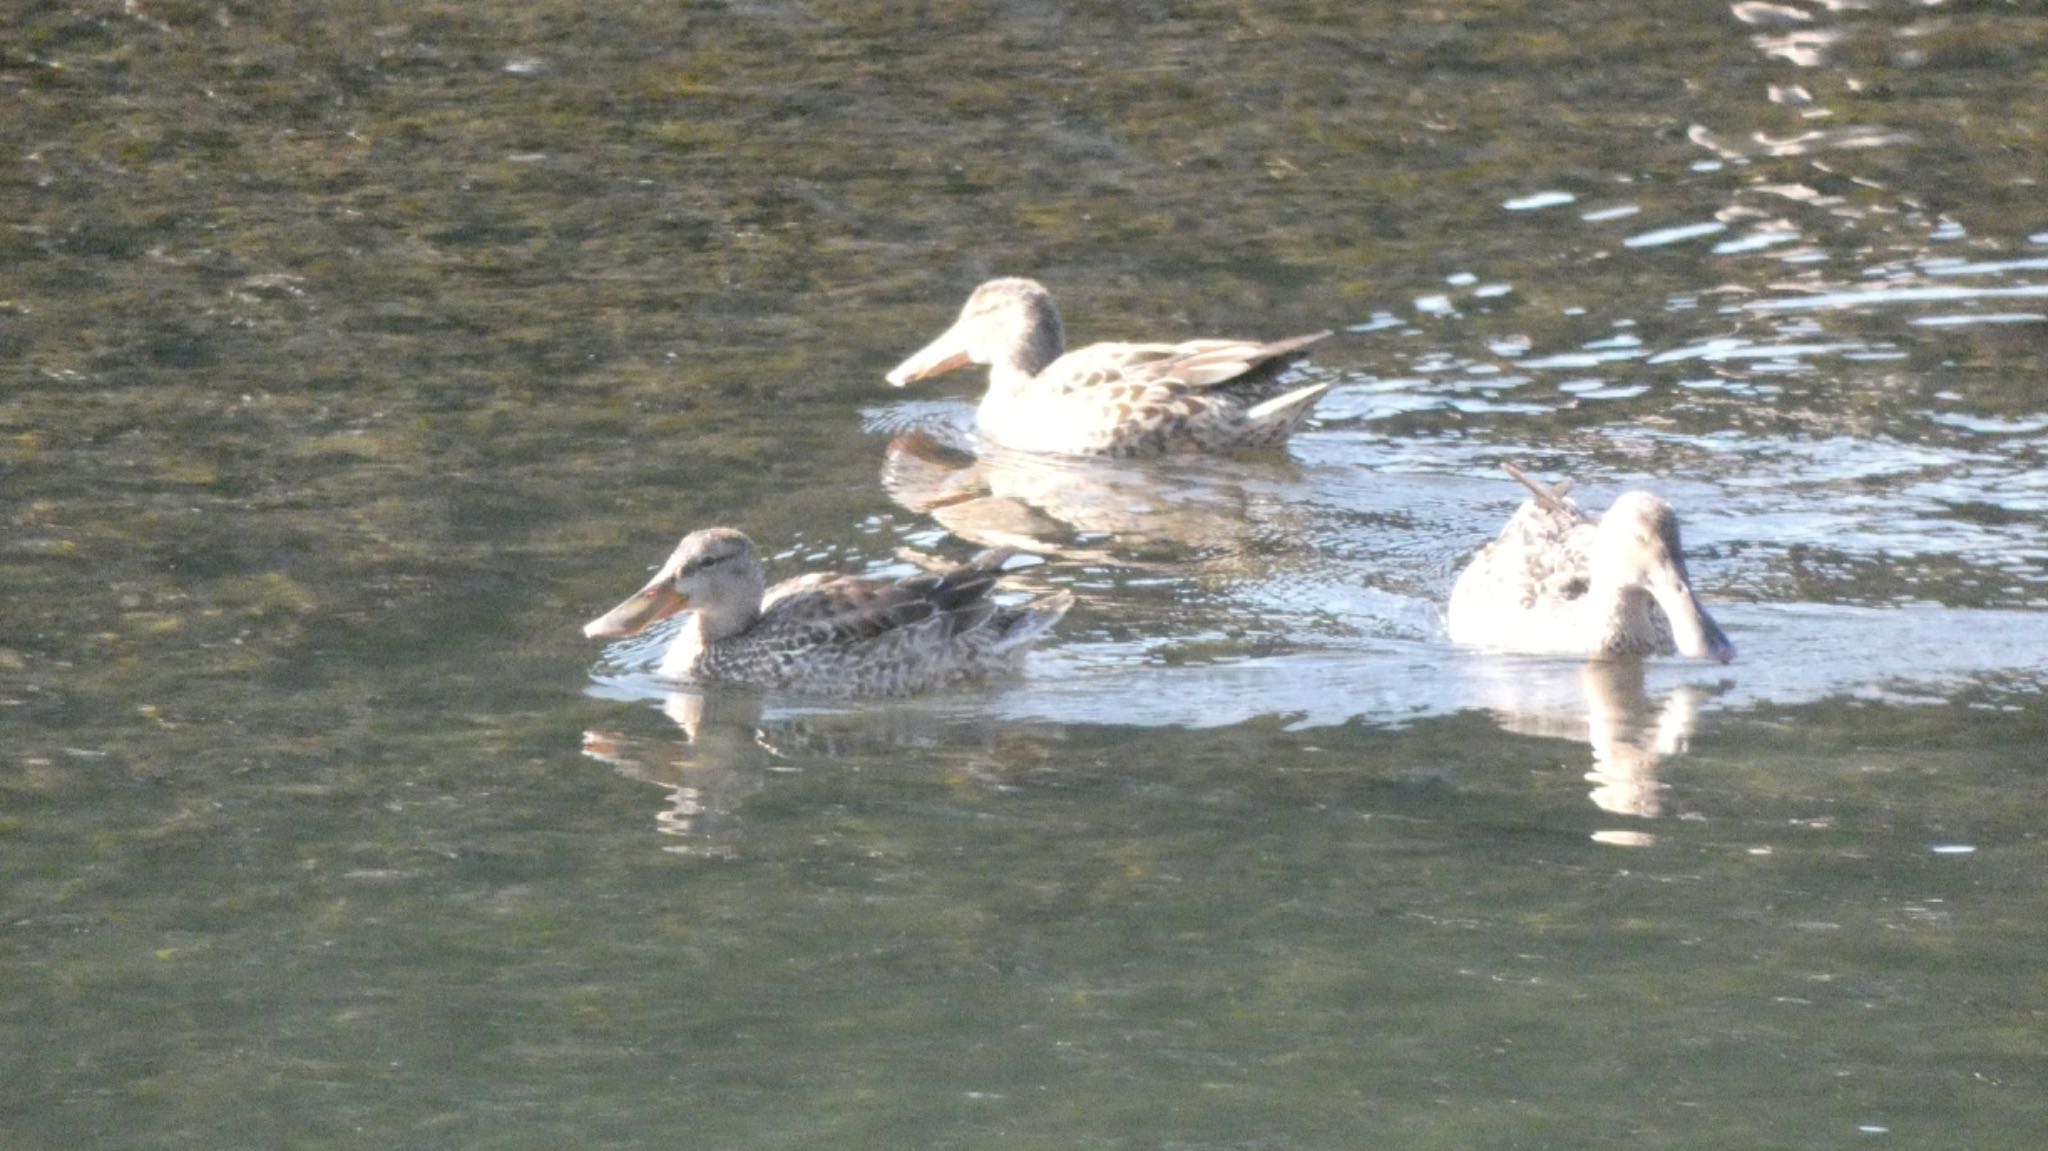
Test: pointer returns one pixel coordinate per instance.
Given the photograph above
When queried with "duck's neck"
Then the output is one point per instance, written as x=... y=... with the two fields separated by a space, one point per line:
x=718 y=619
x=1009 y=383
x=1624 y=617
x=1035 y=339
x=680 y=660
x=700 y=633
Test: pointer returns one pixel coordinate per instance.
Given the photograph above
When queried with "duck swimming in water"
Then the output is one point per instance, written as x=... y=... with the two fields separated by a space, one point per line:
x=829 y=634
x=1557 y=582
x=1113 y=399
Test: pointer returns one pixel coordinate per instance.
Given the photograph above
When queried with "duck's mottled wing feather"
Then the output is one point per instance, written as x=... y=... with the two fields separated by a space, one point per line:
x=1201 y=364
x=842 y=610
x=779 y=598
x=1192 y=365
x=1551 y=547
x=953 y=594
x=836 y=609
x=1205 y=364
x=1106 y=366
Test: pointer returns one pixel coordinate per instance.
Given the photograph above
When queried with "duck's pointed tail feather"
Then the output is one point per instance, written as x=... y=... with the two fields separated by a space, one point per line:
x=1288 y=408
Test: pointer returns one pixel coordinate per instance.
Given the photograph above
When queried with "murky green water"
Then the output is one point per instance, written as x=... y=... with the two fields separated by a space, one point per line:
x=352 y=355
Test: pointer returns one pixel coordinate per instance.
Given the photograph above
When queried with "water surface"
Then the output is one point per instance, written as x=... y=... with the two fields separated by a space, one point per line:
x=352 y=355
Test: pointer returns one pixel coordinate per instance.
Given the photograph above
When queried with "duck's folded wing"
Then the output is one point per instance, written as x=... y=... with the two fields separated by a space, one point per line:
x=842 y=610
x=1207 y=363
x=1101 y=366
x=1190 y=365
x=1544 y=553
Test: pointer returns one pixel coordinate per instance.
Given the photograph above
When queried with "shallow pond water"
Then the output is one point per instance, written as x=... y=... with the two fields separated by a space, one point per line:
x=352 y=355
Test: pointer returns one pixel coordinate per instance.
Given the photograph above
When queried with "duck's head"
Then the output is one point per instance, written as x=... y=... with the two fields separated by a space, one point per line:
x=1637 y=546
x=716 y=571
x=1009 y=323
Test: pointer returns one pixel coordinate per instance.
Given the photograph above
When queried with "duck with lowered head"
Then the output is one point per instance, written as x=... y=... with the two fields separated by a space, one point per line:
x=1558 y=582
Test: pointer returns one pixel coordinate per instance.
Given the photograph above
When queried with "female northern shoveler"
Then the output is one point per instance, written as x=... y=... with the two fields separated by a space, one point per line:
x=829 y=634
x=1556 y=582
x=1112 y=399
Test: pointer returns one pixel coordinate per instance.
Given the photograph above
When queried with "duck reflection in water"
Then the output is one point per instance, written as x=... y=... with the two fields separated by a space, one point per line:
x=1606 y=706
x=1091 y=510
x=723 y=758
x=1632 y=734
x=730 y=743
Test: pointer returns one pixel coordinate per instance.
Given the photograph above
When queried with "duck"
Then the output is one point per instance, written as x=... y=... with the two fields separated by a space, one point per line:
x=1113 y=399
x=829 y=634
x=1558 y=582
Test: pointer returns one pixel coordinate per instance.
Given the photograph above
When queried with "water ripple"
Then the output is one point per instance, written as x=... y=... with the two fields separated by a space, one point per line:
x=1864 y=297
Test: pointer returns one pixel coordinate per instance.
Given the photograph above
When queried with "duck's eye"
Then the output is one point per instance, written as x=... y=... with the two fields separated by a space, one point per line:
x=700 y=563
